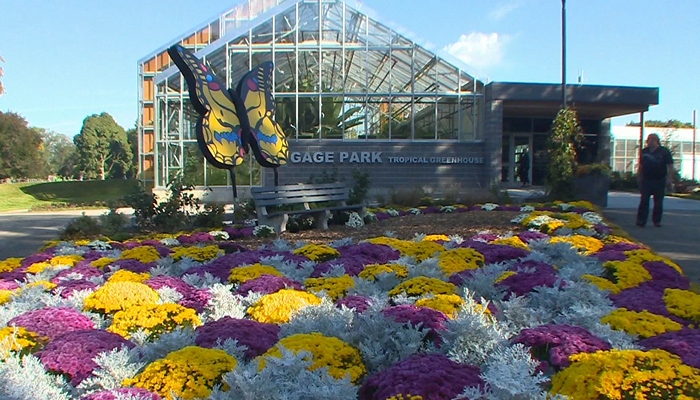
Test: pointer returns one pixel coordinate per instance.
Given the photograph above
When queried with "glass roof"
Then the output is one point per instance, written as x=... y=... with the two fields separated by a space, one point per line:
x=353 y=53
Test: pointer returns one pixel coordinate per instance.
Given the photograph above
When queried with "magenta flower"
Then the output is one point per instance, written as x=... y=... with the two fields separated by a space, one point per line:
x=8 y=284
x=427 y=319
x=131 y=391
x=73 y=353
x=359 y=303
x=529 y=236
x=431 y=376
x=267 y=284
x=192 y=297
x=258 y=337
x=86 y=271
x=555 y=343
x=684 y=343
x=67 y=287
x=52 y=321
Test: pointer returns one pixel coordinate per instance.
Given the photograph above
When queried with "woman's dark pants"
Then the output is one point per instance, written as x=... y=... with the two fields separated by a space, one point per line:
x=655 y=188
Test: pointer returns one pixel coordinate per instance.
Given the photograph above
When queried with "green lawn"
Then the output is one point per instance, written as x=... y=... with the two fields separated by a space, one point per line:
x=22 y=196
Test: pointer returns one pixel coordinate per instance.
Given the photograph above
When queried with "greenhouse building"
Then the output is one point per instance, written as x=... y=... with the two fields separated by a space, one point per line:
x=354 y=93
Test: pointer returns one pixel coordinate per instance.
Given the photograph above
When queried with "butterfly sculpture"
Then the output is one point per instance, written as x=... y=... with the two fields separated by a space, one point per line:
x=233 y=121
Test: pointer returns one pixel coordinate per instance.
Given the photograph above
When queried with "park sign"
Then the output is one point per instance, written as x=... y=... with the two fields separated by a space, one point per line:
x=373 y=157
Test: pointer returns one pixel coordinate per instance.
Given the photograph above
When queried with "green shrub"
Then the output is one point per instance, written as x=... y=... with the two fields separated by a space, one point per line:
x=561 y=145
x=113 y=222
x=83 y=227
x=407 y=197
x=360 y=188
x=623 y=181
x=211 y=217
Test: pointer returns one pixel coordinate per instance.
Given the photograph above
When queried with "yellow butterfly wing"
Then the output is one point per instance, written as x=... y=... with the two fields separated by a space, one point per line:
x=268 y=140
x=220 y=132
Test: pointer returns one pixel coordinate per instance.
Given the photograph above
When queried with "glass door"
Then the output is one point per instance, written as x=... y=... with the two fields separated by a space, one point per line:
x=514 y=146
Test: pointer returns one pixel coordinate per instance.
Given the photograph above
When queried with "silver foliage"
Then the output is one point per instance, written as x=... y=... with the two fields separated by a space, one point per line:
x=113 y=367
x=287 y=377
x=166 y=344
x=324 y=318
x=25 y=378
x=471 y=337
x=201 y=282
x=510 y=374
x=223 y=303
x=168 y=295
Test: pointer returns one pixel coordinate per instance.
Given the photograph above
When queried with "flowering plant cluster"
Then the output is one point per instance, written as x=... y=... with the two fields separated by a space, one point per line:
x=559 y=306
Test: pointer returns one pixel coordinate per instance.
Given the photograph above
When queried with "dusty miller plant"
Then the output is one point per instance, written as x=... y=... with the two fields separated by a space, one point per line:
x=286 y=377
x=510 y=373
x=166 y=344
x=324 y=318
x=113 y=367
x=24 y=377
x=223 y=303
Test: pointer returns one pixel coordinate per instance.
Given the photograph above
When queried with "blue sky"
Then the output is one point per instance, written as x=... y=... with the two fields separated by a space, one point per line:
x=68 y=59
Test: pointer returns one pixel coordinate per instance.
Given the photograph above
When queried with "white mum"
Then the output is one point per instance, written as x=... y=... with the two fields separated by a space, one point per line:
x=592 y=217
x=355 y=221
x=489 y=206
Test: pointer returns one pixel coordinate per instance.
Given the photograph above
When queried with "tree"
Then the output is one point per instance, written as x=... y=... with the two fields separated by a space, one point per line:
x=20 y=148
x=103 y=148
x=132 y=135
x=59 y=153
x=671 y=123
x=561 y=148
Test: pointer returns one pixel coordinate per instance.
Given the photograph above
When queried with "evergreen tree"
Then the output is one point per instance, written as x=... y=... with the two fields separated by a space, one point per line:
x=103 y=148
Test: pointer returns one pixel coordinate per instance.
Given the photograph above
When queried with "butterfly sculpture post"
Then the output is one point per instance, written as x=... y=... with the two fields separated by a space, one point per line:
x=233 y=121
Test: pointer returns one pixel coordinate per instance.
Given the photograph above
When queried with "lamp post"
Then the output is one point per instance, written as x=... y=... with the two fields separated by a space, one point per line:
x=563 y=53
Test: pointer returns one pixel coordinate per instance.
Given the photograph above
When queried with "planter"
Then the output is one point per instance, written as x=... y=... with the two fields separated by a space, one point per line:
x=593 y=188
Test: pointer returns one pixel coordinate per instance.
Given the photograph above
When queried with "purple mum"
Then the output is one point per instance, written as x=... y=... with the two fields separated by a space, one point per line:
x=359 y=303
x=73 y=353
x=555 y=343
x=684 y=343
x=529 y=236
x=431 y=376
x=86 y=271
x=67 y=287
x=192 y=297
x=112 y=394
x=267 y=284
x=52 y=321
x=427 y=318
x=258 y=337
x=667 y=275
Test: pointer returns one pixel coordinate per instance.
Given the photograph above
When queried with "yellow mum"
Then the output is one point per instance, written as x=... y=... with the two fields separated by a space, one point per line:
x=5 y=296
x=45 y=284
x=641 y=256
x=422 y=285
x=124 y=275
x=512 y=241
x=421 y=251
x=278 y=307
x=449 y=304
x=189 y=373
x=196 y=253
x=504 y=276
x=118 y=296
x=318 y=252
x=683 y=303
x=335 y=287
x=644 y=324
x=627 y=374
x=372 y=271
x=103 y=262
x=250 y=272
x=145 y=254
x=154 y=319
x=435 y=238
x=10 y=264
x=582 y=243
x=406 y=397
x=340 y=358
x=19 y=340
x=625 y=274
x=459 y=259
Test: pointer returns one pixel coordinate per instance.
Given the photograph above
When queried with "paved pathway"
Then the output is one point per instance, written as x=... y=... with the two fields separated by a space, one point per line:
x=679 y=236
x=23 y=233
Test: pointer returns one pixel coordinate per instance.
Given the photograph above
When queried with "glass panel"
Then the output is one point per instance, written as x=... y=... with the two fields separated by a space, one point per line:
x=308 y=24
x=379 y=125
x=468 y=116
x=308 y=71
x=239 y=66
x=424 y=70
x=505 y=174
x=447 y=122
x=538 y=158
x=286 y=114
x=517 y=124
x=332 y=118
x=262 y=34
x=308 y=123
x=424 y=118
x=356 y=74
x=193 y=172
x=216 y=176
x=284 y=28
x=505 y=150
x=541 y=125
x=249 y=172
x=260 y=56
x=332 y=73
x=400 y=125
x=354 y=115
x=379 y=69
x=285 y=80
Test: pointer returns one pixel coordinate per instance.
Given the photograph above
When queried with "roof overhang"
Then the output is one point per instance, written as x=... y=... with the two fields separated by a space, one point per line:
x=590 y=101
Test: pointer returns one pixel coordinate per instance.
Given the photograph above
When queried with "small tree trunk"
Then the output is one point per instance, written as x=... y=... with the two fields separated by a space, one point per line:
x=102 y=170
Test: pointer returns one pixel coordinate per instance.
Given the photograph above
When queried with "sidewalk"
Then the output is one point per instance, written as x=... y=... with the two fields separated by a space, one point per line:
x=679 y=236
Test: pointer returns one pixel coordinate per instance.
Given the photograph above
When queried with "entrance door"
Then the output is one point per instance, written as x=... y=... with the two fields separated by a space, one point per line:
x=513 y=146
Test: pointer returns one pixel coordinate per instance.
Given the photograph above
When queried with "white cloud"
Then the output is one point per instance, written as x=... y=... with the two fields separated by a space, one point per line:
x=504 y=9
x=480 y=50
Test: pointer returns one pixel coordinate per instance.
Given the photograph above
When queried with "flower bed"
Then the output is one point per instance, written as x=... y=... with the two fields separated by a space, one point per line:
x=558 y=308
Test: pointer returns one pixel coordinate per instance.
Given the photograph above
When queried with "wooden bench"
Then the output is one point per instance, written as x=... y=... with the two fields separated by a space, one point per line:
x=298 y=199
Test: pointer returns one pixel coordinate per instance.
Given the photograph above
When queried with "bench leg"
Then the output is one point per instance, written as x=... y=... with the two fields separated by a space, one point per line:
x=321 y=219
x=278 y=222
